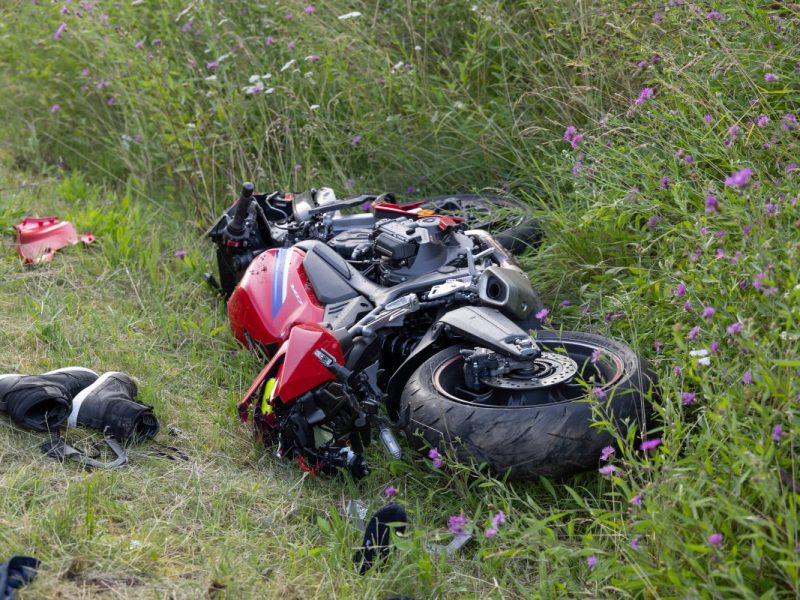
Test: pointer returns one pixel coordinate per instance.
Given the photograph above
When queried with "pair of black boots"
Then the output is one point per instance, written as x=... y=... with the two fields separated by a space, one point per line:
x=77 y=396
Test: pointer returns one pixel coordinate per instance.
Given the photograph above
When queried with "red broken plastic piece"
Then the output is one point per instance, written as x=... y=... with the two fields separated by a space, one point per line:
x=38 y=239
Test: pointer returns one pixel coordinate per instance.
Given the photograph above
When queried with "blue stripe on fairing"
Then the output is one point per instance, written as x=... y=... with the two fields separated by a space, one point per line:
x=277 y=281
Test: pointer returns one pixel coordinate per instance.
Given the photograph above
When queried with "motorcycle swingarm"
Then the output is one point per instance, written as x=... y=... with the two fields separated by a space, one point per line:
x=485 y=327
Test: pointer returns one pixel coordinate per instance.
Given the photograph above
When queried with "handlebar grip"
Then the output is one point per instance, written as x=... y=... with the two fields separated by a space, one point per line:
x=236 y=226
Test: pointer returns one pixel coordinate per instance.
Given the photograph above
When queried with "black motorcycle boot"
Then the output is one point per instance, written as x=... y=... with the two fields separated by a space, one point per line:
x=108 y=405
x=74 y=379
x=37 y=403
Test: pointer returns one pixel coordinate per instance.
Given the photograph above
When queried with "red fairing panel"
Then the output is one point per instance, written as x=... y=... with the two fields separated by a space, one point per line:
x=273 y=296
x=295 y=366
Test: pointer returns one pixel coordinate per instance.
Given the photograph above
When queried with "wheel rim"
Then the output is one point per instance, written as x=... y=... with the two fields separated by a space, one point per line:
x=603 y=371
x=480 y=212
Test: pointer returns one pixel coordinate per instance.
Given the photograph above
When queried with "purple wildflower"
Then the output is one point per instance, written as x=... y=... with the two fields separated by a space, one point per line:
x=688 y=398
x=708 y=312
x=768 y=77
x=636 y=500
x=711 y=203
x=687 y=306
x=312 y=57
x=596 y=354
x=714 y=347
x=739 y=178
x=355 y=140
x=291 y=44
x=715 y=539
x=455 y=524
x=747 y=378
x=598 y=393
x=181 y=253
x=652 y=222
x=788 y=122
x=693 y=333
x=650 y=444
x=658 y=17
x=771 y=208
x=269 y=41
x=434 y=455
x=412 y=189
x=211 y=65
x=607 y=470
x=60 y=31
x=715 y=16
x=55 y=108
x=762 y=120
x=309 y=10
x=542 y=314
x=499 y=518
x=707 y=118
x=680 y=290
x=635 y=544
x=658 y=346
x=297 y=168
x=644 y=95
x=790 y=167
x=572 y=136
x=490 y=532
x=390 y=491
x=665 y=183
x=187 y=27
x=565 y=303
x=777 y=433
x=677 y=371
x=606 y=453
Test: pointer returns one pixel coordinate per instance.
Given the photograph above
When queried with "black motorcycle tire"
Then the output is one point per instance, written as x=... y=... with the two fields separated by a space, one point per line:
x=523 y=233
x=552 y=439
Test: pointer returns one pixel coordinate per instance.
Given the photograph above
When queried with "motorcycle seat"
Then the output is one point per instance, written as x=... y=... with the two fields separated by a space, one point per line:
x=332 y=278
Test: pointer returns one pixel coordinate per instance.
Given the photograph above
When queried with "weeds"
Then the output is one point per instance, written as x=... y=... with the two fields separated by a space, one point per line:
x=624 y=125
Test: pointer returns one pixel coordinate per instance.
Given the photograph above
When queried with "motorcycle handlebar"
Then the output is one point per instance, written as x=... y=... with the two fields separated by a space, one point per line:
x=236 y=226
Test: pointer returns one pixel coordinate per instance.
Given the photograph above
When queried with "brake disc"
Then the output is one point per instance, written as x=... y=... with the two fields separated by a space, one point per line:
x=549 y=368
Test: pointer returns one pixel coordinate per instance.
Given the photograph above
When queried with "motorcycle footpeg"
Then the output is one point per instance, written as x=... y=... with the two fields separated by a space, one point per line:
x=342 y=374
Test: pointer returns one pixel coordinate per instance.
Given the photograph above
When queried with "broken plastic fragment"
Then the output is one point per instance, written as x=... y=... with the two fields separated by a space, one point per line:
x=39 y=239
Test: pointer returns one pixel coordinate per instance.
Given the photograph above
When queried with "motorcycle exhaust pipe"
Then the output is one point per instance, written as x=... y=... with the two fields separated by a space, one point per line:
x=499 y=253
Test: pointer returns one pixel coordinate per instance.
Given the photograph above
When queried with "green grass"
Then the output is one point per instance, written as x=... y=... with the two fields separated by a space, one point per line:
x=489 y=91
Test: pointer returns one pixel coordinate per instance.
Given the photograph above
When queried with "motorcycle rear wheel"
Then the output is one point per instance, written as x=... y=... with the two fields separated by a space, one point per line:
x=545 y=431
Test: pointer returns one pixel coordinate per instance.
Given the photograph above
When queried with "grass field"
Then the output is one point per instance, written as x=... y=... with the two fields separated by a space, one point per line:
x=657 y=142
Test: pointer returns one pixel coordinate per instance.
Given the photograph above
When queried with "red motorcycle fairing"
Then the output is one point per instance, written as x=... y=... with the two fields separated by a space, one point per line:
x=294 y=365
x=273 y=295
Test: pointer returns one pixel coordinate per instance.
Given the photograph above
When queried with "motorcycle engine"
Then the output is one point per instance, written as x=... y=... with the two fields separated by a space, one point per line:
x=409 y=248
x=404 y=248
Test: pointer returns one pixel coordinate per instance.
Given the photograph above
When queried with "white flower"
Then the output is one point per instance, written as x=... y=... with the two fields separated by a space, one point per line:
x=266 y=76
x=287 y=65
x=254 y=78
x=705 y=361
x=269 y=90
x=351 y=15
x=701 y=352
x=417 y=48
x=253 y=90
x=211 y=78
x=314 y=106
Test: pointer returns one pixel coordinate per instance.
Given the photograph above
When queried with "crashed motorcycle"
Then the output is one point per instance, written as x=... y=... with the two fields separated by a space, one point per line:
x=411 y=319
